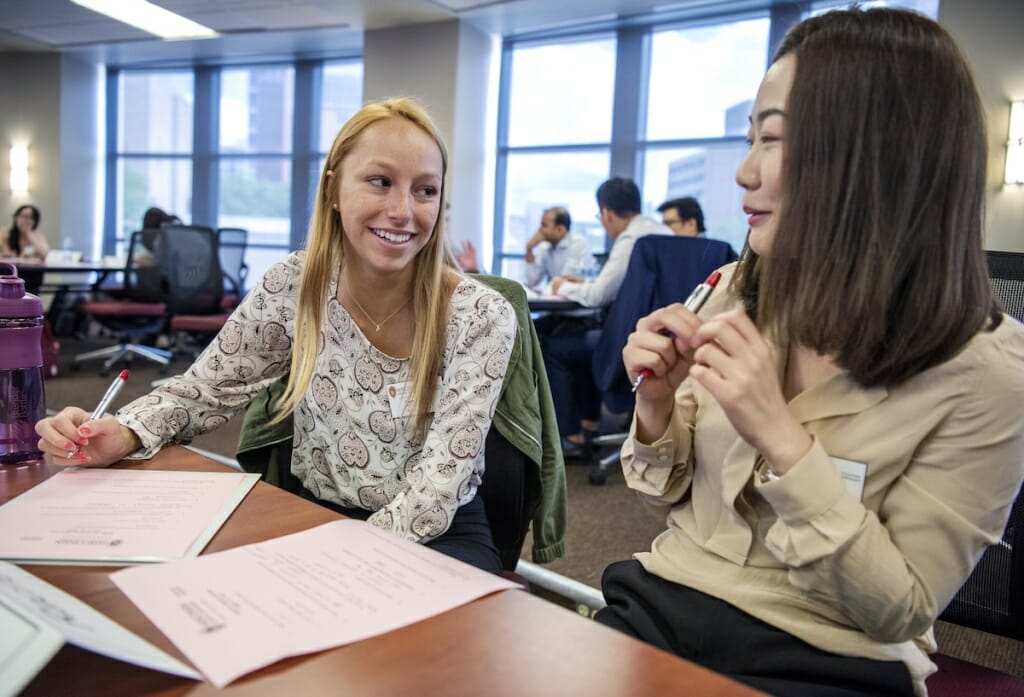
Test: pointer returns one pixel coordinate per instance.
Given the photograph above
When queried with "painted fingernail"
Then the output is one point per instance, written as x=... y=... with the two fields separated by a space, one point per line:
x=85 y=431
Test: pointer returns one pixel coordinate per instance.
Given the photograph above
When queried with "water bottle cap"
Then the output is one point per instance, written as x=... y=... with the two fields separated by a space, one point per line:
x=14 y=301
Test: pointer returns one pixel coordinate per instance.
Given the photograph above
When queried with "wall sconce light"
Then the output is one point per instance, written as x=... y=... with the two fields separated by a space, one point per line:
x=1015 y=146
x=19 y=169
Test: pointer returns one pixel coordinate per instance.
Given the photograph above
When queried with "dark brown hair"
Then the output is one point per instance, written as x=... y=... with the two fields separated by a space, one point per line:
x=877 y=259
x=14 y=236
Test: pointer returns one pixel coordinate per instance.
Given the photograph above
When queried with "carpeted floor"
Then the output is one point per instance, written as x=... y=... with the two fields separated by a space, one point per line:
x=605 y=524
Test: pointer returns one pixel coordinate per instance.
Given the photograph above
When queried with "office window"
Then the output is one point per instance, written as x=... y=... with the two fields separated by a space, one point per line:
x=250 y=166
x=696 y=128
x=255 y=166
x=664 y=103
x=708 y=173
x=155 y=109
x=341 y=95
x=537 y=181
x=562 y=93
x=165 y=183
x=256 y=106
x=559 y=125
x=703 y=79
x=154 y=146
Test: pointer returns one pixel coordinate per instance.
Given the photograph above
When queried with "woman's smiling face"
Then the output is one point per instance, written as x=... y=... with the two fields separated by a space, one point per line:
x=760 y=173
x=388 y=195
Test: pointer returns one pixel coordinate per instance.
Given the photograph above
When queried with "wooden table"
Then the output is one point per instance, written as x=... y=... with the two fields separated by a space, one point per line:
x=509 y=643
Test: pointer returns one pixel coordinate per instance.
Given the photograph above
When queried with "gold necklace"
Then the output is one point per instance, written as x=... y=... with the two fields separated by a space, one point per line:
x=377 y=325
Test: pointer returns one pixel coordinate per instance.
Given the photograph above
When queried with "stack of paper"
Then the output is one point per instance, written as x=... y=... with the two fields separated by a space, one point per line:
x=37 y=618
x=117 y=517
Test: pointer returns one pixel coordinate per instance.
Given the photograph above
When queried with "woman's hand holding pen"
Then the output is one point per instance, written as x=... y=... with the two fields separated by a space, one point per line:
x=661 y=348
x=100 y=442
x=732 y=361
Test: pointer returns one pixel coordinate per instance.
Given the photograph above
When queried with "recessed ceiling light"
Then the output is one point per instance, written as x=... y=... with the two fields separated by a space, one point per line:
x=464 y=5
x=149 y=18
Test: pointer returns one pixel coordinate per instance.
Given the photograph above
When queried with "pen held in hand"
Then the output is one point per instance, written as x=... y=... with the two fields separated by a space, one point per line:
x=101 y=408
x=694 y=303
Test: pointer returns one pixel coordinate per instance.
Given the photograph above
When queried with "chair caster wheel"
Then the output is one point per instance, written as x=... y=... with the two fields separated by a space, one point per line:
x=597 y=477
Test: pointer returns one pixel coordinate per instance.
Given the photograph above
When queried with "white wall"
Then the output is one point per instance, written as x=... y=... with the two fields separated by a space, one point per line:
x=447 y=66
x=30 y=83
x=52 y=104
x=991 y=33
x=82 y=161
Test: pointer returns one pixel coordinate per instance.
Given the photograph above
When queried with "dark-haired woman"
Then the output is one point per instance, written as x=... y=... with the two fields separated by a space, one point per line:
x=837 y=437
x=23 y=238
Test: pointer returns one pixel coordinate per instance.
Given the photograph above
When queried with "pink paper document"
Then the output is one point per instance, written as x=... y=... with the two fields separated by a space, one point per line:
x=235 y=611
x=114 y=516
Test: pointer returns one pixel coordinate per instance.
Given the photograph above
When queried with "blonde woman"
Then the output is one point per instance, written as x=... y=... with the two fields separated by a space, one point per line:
x=394 y=360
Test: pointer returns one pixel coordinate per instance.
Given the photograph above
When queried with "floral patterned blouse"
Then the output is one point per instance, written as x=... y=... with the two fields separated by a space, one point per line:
x=353 y=441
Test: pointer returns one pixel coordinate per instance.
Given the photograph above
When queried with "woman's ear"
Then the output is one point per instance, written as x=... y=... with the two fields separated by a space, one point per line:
x=328 y=189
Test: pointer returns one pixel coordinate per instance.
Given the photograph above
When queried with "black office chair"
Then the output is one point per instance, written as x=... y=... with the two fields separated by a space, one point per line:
x=232 y=243
x=137 y=313
x=662 y=270
x=992 y=598
x=190 y=264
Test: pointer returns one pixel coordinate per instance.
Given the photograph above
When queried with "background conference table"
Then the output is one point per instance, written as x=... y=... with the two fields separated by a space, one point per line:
x=509 y=643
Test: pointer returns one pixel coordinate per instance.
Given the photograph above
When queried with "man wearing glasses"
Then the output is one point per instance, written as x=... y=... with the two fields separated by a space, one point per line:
x=684 y=216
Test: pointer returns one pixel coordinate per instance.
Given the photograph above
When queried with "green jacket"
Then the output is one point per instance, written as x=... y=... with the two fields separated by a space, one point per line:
x=525 y=416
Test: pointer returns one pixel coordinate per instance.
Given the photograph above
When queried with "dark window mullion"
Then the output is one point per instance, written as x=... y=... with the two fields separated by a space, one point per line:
x=205 y=141
x=308 y=79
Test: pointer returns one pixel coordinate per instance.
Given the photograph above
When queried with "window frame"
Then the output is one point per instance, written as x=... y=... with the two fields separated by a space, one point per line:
x=629 y=144
x=206 y=157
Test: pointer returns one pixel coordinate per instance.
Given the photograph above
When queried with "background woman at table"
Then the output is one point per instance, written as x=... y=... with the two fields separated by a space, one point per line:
x=23 y=238
x=394 y=360
x=24 y=241
x=838 y=436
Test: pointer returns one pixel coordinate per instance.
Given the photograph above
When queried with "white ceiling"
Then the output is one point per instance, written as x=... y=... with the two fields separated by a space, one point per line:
x=275 y=28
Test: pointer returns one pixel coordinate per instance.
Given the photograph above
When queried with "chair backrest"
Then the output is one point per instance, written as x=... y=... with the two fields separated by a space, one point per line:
x=187 y=256
x=143 y=277
x=992 y=598
x=662 y=270
x=1006 y=273
x=232 y=242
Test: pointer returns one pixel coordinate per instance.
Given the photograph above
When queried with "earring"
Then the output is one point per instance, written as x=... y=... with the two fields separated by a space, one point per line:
x=334 y=206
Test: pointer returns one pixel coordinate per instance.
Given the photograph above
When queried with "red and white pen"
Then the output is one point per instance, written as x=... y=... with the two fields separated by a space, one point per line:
x=101 y=408
x=697 y=298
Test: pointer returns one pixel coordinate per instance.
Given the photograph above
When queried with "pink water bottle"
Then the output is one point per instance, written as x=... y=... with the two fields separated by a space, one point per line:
x=22 y=399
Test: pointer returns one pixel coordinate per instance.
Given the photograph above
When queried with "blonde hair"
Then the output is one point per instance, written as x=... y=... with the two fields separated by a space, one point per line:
x=434 y=280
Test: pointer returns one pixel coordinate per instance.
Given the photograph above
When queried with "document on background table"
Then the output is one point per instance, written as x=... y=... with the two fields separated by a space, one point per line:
x=117 y=516
x=36 y=619
x=235 y=611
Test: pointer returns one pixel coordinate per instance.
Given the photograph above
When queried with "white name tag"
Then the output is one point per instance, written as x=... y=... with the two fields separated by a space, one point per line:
x=853 y=474
x=399 y=395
